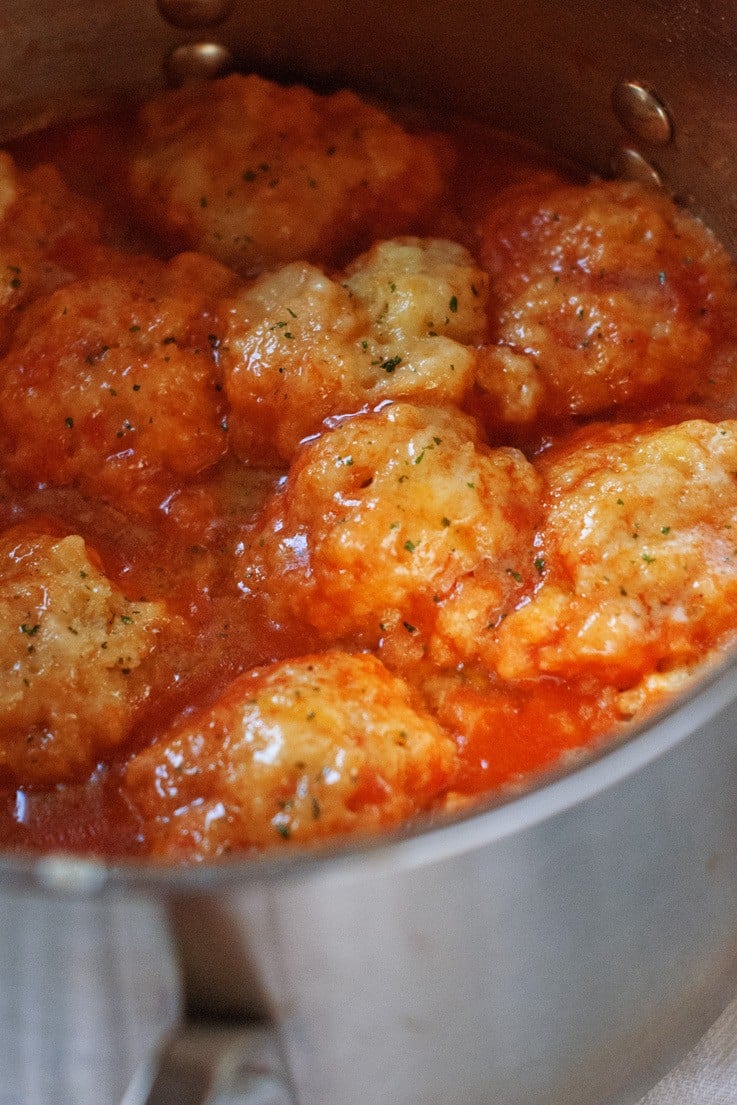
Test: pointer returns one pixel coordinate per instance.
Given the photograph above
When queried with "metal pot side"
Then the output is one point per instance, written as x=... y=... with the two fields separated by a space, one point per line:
x=569 y=962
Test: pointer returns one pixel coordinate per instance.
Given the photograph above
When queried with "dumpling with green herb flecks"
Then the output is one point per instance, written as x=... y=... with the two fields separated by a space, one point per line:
x=297 y=751
x=383 y=521
x=638 y=558
x=110 y=384
x=76 y=657
x=400 y=322
x=602 y=295
x=43 y=229
x=257 y=174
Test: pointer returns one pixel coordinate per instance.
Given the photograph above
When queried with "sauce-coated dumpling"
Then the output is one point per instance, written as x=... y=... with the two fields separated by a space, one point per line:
x=640 y=553
x=110 y=383
x=380 y=518
x=301 y=749
x=73 y=657
x=256 y=174
x=602 y=294
x=343 y=455
x=398 y=324
x=42 y=226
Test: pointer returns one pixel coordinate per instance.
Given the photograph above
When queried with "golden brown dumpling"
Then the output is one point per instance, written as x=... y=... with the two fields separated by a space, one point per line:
x=301 y=750
x=256 y=174
x=603 y=295
x=399 y=323
x=75 y=657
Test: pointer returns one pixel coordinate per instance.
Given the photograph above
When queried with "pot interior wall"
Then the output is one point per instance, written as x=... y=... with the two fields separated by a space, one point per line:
x=547 y=72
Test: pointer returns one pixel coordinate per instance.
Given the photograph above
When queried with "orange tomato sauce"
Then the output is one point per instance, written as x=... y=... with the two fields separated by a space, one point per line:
x=190 y=541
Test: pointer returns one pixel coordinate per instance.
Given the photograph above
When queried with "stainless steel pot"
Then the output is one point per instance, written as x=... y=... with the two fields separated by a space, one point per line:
x=565 y=947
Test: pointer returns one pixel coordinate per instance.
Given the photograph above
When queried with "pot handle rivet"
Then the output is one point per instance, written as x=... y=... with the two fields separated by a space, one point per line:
x=641 y=113
x=197 y=61
x=629 y=164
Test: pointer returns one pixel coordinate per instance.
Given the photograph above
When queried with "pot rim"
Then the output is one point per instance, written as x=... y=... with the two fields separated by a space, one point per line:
x=427 y=839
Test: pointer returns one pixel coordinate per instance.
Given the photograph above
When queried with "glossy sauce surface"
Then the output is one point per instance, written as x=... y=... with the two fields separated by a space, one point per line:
x=412 y=474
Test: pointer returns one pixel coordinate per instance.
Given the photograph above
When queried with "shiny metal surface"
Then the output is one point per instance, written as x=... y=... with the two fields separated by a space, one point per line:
x=627 y=163
x=641 y=113
x=86 y=989
x=569 y=963
x=564 y=948
x=201 y=1062
x=197 y=61
x=549 y=75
